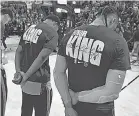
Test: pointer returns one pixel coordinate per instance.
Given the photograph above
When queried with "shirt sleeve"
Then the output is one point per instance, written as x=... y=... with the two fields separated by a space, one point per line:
x=120 y=59
x=51 y=43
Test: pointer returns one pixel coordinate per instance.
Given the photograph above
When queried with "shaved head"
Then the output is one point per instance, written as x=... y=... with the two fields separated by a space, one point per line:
x=108 y=17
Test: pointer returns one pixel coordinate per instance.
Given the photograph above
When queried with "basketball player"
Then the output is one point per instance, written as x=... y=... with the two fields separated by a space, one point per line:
x=96 y=58
x=32 y=62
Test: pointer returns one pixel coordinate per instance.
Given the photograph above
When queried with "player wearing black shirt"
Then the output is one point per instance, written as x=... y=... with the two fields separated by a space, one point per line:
x=96 y=58
x=32 y=62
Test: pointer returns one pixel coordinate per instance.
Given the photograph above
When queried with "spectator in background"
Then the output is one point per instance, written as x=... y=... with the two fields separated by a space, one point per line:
x=119 y=31
x=32 y=58
x=136 y=46
x=127 y=33
x=96 y=59
x=127 y=23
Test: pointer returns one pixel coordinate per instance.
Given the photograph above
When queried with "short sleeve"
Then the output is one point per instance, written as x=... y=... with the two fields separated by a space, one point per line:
x=121 y=59
x=51 y=43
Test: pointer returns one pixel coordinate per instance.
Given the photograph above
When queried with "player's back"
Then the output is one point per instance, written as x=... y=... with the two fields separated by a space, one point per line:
x=33 y=41
x=89 y=51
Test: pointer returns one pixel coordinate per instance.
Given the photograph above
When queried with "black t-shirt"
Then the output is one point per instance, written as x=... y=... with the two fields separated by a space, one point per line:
x=90 y=52
x=33 y=41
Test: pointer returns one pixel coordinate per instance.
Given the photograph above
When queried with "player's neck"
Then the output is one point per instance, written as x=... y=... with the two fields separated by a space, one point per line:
x=98 y=22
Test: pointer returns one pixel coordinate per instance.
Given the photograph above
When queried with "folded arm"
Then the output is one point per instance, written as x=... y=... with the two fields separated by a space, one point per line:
x=107 y=93
x=47 y=49
x=38 y=62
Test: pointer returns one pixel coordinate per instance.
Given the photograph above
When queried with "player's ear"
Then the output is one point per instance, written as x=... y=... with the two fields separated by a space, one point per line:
x=112 y=20
x=55 y=25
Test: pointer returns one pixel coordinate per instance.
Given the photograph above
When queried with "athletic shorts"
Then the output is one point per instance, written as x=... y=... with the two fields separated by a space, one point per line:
x=40 y=103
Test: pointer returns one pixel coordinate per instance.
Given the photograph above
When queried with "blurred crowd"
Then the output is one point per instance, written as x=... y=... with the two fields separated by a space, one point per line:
x=23 y=16
x=128 y=13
